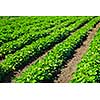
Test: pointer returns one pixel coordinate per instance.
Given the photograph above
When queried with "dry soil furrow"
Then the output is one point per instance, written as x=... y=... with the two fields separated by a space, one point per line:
x=70 y=66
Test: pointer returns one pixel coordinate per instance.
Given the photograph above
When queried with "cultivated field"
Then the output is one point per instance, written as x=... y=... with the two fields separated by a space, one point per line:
x=50 y=49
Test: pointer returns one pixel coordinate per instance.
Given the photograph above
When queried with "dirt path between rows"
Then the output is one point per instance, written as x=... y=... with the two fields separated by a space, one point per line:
x=70 y=66
x=1 y=59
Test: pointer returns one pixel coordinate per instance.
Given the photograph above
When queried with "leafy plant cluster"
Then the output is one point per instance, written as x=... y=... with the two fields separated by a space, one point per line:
x=23 y=56
x=16 y=30
x=88 y=70
x=8 y=26
x=26 y=39
x=81 y=21
x=45 y=68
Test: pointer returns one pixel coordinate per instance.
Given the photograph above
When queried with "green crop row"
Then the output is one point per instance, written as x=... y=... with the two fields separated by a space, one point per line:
x=23 y=56
x=30 y=21
x=88 y=70
x=26 y=20
x=45 y=68
x=73 y=26
x=8 y=26
x=4 y=20
x=25 y=30
x=12 y=46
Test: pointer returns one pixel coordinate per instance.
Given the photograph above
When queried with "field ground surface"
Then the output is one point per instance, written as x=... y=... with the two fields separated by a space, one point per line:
x=49 y=49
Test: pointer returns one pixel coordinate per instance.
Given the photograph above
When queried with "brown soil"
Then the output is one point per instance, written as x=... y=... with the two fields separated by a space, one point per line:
x=70 y=66
x=1 y=59
x=18 y=73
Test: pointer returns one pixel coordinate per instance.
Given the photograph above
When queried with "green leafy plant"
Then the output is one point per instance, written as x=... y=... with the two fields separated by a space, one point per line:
x=45 y=68
x=88 y=70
